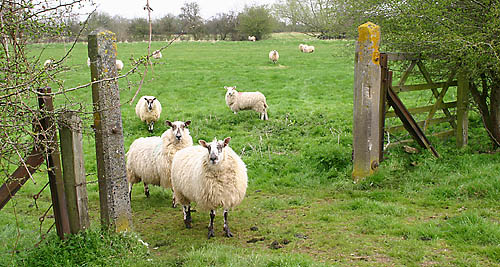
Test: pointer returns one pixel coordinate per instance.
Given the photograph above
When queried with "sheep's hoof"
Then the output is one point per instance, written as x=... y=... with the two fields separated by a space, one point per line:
x=188 y=224
x=211 y=233
x=146 y=193
x=227 y=233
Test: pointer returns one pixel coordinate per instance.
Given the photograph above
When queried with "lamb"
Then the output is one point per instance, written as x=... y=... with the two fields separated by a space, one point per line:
x=119 y=65
x=157 y=54
x=149 y=159
x=148 y=109
x=308 y=49
x=237 y=101
x=212 y=175
x=252 y=38
x=274 y=56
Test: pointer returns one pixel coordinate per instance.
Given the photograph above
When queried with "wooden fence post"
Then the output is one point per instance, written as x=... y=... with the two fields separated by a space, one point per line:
x=113 y=188
x=70 y=135
x=462 y=107
x=56 y=182
x=368 y=108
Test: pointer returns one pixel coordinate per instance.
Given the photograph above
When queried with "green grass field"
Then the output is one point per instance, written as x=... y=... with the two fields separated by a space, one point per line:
x=415 y=211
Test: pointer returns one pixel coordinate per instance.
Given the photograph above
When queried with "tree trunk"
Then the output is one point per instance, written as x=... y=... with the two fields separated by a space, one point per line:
x=490 y=115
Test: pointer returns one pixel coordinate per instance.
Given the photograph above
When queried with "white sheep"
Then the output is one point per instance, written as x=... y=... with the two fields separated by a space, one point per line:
x=301 y=47
x=211 y=175
x=274 y=56
x=252 y=38
x=119 y=65
x=237 y=101
x=148 y=109
x=308 y=49
x=157 y=54
x=88 y=62
x=47 y=63
x=149 y=159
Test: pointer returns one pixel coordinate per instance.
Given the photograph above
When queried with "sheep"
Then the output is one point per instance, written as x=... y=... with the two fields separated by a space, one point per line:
x=211 y=175
x=149 y=159
x=301 y=47
x=88 y=62
x=308 y=49
x=274 y=56
x=47 y=63
x=148 y=109
x=252 y=38
x=157 y=54
x=119 y=65
x=237 y=101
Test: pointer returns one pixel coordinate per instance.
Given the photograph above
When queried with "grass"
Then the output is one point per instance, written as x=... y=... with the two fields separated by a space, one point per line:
x=415 y=211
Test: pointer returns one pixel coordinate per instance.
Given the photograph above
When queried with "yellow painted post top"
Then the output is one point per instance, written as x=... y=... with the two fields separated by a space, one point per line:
x=370 y=32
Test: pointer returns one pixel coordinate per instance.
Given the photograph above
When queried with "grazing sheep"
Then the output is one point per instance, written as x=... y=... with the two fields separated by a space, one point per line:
x=308 y=49
x=47 y=63
x=237 y=101
x=119 y=65
x=274 y=56
x=212 y=175
x=149 y=159
x=148 y=109
x=252 y=38
x=157 y=54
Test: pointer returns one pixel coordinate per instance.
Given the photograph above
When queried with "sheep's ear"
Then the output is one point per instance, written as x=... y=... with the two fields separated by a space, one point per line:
x=154 y=98
x=203 y=143
x=187 y=123
x=225 y=87
x=145 y=98
x=168 y=123
x=226 y=141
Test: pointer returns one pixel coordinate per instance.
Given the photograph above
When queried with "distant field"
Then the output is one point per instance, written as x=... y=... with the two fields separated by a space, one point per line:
x=416 y=211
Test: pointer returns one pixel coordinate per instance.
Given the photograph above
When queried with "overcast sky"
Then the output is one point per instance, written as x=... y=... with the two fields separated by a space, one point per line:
x=208 y=8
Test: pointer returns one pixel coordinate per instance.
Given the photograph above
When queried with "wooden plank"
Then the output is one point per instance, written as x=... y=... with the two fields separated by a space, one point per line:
x=406 y=73
x=70 y=132
x=20 y=176
x=402 y=56
x=443 y=134
x=420 y=87
x=384 y=76
x=408 y=121
x=435 y=92
x=110 y=152
x=419 y=110
x=462 y=107
x=440 y=98
x=434 y=121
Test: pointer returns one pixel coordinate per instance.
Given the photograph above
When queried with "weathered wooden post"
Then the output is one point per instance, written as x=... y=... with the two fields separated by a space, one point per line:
x=462 y=107
x=113 y=189
x=368 y=107
x=56 y=182
x=70 y=135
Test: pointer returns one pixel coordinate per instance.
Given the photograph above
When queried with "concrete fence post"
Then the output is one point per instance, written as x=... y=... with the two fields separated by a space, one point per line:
x=368 y=107
x=113 y=189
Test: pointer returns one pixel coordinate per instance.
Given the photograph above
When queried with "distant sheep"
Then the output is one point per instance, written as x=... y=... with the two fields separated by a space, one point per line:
x=252 y=38
x=237 y=101
x=308 y=49
x=274 y=56
x=148 y=109
x=301 y=47
x=47 y=63
x=88 y=62
x=149 y=159
x=212 y=175
x=157 y=54
x=119 y=65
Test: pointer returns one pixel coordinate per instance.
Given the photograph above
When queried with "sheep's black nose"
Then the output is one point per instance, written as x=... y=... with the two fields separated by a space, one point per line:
x=178 y=137
x=213 y=158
